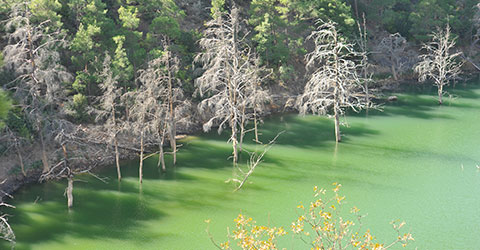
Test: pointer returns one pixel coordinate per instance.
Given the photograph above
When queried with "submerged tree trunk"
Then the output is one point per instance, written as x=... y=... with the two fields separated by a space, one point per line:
x=117 y=158
x=440 y=94
x=337 y=124
x=234 y=143
x=161 y=154
x=255 y=126
x=173 y=142
x=367 y=97
x=70 y=191
x=140 y=168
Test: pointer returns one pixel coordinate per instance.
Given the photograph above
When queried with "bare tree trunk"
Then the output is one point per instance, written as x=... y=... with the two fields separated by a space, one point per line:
x=337 y=125
x=242 y=129
x=70 y=191
x=127 y=108
x=20 y=158
x=335 y=94
x=70 y=178
x=172 y=128
x=140 y=168
x=161 y=154
x=394 y=72
x=367 y=96
x=255 y=125
x=44 y=153
x=234 y=143
x=117 y=158
x=440 y=94
x=173 y=142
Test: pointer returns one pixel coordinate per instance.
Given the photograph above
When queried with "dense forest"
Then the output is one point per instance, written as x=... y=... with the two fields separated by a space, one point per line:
x=81 y=76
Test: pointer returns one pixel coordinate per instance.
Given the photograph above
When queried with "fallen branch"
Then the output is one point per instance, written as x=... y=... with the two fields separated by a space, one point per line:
x=255 y=160
x=6 y=232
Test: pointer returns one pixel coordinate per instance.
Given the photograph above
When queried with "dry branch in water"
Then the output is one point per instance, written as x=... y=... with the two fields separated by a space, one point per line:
x=253 y=162
x=6 y=232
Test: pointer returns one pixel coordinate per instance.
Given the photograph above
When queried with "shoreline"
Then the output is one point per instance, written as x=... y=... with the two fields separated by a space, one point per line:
x=100 y=157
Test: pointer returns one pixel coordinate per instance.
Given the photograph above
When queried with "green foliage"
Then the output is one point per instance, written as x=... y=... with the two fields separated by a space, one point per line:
x=269 y=19
x=121 y=65
x=84 y=45
x=427 y=15
x=83 y=40
x=79 y=106
x=19 y=124
x=218 y=7
x=416 y=19
x=281 y=25
x=334 y=10
x=5 y=106
x=286 y=72
x=92 y=37
x=431 y=14
x=166 y=26
x=128 y=16
x=43 y=10
x=396 y=18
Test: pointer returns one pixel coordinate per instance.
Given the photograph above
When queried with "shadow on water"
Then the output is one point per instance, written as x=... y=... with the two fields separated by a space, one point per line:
x=101 y=214
x=418 y=106
x=309 y=131
x=113 y=211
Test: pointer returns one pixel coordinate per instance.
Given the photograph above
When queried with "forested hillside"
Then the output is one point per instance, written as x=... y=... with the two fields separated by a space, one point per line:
x=127 y=75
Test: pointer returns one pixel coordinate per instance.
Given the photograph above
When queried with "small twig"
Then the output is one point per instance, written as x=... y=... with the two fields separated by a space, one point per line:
x=254 y=161
x=210 y=236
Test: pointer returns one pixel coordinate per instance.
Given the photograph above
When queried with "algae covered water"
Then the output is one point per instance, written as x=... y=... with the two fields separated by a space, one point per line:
x=416 y=161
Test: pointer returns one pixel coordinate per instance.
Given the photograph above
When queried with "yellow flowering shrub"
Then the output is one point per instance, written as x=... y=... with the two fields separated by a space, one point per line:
x=249 y=236
x=319 y=225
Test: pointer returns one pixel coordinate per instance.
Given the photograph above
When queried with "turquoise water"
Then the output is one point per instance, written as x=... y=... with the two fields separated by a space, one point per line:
x=404 y=163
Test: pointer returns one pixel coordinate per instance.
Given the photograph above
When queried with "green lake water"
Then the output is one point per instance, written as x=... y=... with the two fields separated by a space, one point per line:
x=404 y=163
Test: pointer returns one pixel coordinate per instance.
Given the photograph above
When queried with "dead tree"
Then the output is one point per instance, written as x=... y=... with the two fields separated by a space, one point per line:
x=439 y=63
x=149 y=113
x=159 y=92
x=6 y=232
x=223 y=82
x=109 y=101
x=163 y=70
x=32 y=53
x=392 y=48
x=334 y=85
x=362 y=42
x=68 y=166
x=17 y=142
